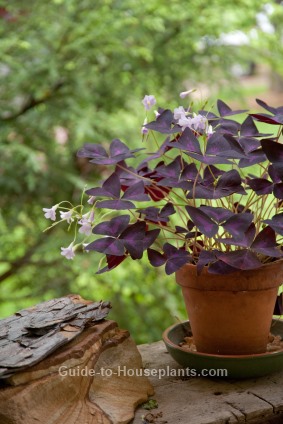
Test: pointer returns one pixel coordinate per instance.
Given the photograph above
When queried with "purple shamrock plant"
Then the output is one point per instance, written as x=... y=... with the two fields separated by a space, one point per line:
x=210 y=193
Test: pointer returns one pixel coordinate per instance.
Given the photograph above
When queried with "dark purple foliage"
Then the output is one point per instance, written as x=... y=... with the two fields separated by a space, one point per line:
x=198 y=201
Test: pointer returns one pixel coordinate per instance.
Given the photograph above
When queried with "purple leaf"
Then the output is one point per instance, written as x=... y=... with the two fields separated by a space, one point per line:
x=133 y=239
x=205 y=257
x=273 y=151
x=202 y=221
x=155 y=258
x=114 y=227
x=110 y=188
x=278 y=190
x=112 y=262
x=225 y=146
x=240 y=259
x=265 y=106
x=176 y=258
x=188 y=142
x=163 y=123
x=238 y=224
x=276 y=223
x=249 y=144
x=245 y=240
x=118 y=205
x=260 y=185
x=225 y=110
x=276 y=172
x=91 y=150
x=136 y=192
x=150 y=237
x=217 y=214
x=265 y=243
x=220 y=267
x=107 y=245
x=254 y=157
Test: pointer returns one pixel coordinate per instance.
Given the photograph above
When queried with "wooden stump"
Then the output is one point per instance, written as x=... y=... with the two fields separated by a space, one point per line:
x=84 y=381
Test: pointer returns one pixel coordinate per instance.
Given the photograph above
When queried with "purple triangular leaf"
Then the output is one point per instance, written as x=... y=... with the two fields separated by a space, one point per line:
x=136 y=192
x=163 y=123
x=91 y=150
x=118 y=205
x=205 y=257
x=220 y=267
x=155 y=258
x=273 y=151
x=265 y=243
x=107 y=245
x=276 y=172
x=240 y=259
x=216 y=213
x=276 y=223
x=225 y=110
x=176 y=258
x=278 y=190
x=265 y=106
x=114 y=227
x=150 y=237
x=188 y=142
x=238 y=224
x=202 y=221
x=260 y=185
x=245 y=240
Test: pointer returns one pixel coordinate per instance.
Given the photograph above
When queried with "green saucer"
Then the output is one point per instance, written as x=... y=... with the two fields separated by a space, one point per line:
x=227 y=366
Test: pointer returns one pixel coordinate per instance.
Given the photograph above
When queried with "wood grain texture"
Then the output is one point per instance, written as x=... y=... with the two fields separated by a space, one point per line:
x=67 y=386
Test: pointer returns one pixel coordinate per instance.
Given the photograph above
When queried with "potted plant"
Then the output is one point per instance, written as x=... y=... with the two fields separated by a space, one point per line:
x=202 y=196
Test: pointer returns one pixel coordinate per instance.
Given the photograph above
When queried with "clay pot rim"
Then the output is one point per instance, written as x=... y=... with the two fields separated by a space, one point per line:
x=167 y=341
x=268 y=276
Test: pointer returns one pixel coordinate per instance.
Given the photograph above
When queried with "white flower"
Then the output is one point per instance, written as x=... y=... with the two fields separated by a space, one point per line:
x=67 y=216
x=186 y=93
x=209 y=130
x=50 y=213
x=179 y=112
x=91 y=200
x=185 y=122
x=68 y=252
x=144 y=130
x=86 y=223
x=156 y=113
x=199 y=122
x=148 y=101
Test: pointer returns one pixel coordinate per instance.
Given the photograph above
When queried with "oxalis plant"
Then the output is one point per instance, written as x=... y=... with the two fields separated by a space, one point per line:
x=204 y=189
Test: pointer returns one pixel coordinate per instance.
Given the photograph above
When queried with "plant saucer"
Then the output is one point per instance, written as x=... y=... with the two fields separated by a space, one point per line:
x=237 y=366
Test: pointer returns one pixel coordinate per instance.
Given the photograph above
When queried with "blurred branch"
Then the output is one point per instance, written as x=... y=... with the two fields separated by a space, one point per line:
x=24 y=260
x=32 y=102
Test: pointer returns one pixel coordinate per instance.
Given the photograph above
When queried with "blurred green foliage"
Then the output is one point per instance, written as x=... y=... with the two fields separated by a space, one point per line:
x=75 y=71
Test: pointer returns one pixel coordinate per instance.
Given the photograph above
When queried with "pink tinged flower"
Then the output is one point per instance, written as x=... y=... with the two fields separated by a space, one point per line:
x=179 y=112
x=199 y=123
x=85 y=224
x=148 y=101
x=91 y=200
x=209 y=130
x=50 y=213
x=67 y=216
x=186 y=93
x=144 y=130
x=184 y=122
x=68 y=252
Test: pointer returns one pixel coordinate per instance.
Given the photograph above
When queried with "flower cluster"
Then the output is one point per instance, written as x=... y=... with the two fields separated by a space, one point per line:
x=210 y=193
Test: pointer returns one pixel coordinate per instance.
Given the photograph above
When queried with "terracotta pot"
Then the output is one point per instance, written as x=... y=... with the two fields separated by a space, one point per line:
x=232 y=313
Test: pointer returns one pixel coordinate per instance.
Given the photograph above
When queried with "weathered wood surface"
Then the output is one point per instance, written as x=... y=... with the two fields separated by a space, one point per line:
x=69 y=386
x=198 y=400
x=32 y=334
